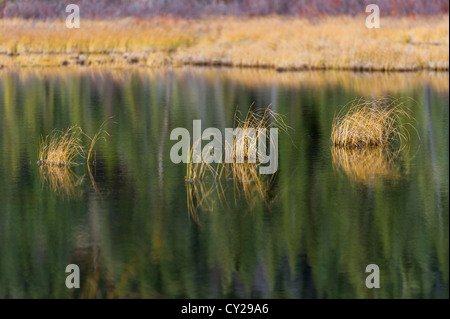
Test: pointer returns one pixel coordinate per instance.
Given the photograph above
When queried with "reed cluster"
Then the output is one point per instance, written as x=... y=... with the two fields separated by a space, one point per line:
x=59 y=152
x=370 y=123
x=368 y=136
x=60 y=148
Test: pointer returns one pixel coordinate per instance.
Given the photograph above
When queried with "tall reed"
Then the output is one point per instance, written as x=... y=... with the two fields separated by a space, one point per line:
x=59 y=151
x=61 y=148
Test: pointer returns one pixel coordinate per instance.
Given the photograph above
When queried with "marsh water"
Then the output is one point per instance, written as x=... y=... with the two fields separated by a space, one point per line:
x=126 y=222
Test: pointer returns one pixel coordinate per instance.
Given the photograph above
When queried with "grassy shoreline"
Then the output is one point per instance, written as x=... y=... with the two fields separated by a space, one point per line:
x=275 y=42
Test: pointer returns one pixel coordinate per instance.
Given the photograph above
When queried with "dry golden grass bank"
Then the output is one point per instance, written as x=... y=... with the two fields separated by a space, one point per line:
x=278 y=42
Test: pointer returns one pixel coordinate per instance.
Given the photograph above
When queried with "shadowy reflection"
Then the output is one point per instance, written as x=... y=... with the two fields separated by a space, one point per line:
x=62 y=180
x=228 y=186
x=300 y=235
x=365 y=164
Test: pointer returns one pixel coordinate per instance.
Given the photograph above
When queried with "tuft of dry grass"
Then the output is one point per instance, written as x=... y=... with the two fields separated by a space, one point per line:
x=366 y=139
x=369 y=123
x=58 y=152
x=60 y=148
x=94 y=139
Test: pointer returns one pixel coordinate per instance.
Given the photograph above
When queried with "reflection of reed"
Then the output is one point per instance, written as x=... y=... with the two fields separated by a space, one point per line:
x=62 y=180
x=207 y=183
x=378 y=83
x=214 y=188
x=364 y=164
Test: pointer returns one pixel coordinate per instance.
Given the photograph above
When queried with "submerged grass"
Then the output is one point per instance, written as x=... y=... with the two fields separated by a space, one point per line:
x=207 y=184
x=365 y=164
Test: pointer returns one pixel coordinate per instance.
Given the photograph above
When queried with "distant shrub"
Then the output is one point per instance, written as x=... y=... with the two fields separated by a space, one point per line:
x=39 y=9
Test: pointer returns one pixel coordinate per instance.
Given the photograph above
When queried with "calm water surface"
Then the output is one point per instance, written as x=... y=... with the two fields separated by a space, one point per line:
x=321 y=220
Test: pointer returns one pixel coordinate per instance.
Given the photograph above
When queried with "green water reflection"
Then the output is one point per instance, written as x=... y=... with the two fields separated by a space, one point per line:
x=132 y=234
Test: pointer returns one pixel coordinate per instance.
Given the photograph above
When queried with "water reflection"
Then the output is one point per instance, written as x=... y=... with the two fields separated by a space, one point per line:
x=309 y=234
x=62 y=180
x=364 y=164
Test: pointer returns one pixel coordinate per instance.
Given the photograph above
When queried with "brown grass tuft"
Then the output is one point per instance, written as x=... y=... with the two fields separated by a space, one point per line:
x=369 y=124
x=59 y=151
x=60 y=148
x=367 y=138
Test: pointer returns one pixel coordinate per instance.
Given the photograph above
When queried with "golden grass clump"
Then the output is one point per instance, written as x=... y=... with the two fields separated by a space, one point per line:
x=61 y=147
x=369 y=124
x=59 y=151
x=367 y=138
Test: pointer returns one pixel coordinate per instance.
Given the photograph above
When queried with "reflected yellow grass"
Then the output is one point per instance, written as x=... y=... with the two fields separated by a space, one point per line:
x=62 y=180
x=237 y=182
x=207 y=184
x=365 y=165
x=362 y=83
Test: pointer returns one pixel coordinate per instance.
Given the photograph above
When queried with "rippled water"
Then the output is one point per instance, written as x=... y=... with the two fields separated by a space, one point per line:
x=320 y=221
